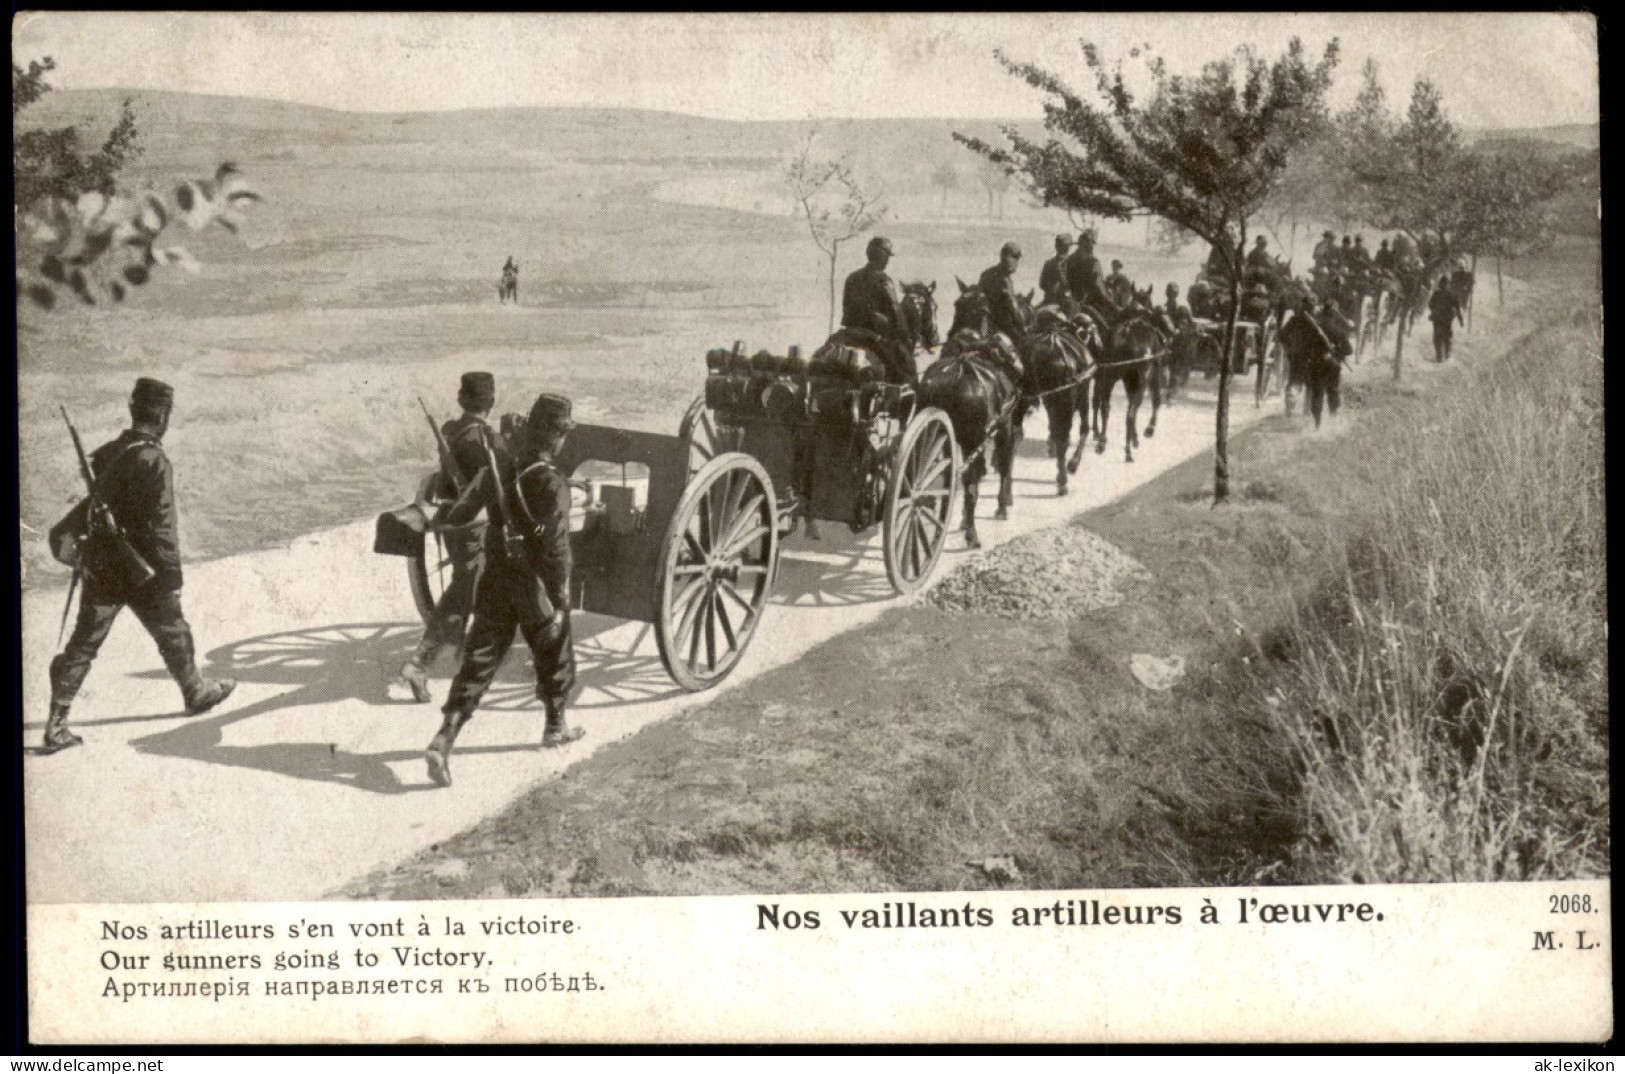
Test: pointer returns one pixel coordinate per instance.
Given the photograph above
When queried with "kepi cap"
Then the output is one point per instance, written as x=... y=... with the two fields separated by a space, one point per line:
x=551 y=410
x=1063 y=241
x=878 y=244
x=479 y=389
x=149 y=392
x=1011 y=249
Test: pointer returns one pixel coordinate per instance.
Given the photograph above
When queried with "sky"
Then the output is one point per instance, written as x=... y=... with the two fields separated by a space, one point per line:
x=1496 y=69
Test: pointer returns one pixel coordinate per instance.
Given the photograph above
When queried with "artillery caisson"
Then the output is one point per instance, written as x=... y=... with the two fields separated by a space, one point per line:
x=684 y=532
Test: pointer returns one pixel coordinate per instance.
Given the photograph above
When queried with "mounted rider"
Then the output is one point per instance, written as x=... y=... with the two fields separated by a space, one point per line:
x=1083 y=276
x=1383 y=260
x=870 y=308
x=1119 y=289
x=1259 y=258
x=1359 y=258
x=1177 y=314
x=1325 y=255
x=1052 y=277
x=998 y=287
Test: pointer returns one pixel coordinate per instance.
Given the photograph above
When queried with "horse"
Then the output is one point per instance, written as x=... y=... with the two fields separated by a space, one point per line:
x=919 y=306
x=976 y=381
x=1135 y=348
x=1061 y=356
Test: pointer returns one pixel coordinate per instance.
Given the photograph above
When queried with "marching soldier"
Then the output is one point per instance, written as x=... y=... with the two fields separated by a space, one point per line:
x=869 y=303
x=1359 y=257
x=469 y=437
x=1177 y=314
x=1444 y=310
x=1052 y=277
x=1383 y=260
x=997 y=284
x=525 y=585
x=133 y=478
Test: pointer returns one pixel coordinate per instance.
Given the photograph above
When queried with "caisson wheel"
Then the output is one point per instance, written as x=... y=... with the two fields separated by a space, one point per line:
x=706 y=437
x=429 y=572
x=919 y=499
x=716 y=569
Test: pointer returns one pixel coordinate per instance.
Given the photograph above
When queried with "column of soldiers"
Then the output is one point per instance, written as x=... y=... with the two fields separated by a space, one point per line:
x=508 y=531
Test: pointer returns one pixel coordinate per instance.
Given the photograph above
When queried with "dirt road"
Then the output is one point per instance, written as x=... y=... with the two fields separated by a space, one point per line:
x=311 y=776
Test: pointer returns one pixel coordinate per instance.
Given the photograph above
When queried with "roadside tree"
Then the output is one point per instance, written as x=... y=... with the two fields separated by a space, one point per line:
x=1205 y=152
x=836 y=205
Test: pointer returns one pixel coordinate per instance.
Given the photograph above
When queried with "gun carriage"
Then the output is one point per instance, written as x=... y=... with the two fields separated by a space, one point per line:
x=684 y=532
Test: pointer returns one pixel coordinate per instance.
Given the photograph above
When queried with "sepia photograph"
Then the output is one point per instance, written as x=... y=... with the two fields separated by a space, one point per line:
x=733 y=483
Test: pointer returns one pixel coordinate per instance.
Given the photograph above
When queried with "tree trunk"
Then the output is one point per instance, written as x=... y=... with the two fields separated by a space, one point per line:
x=1292 y=250
x=1221 y=432
x=1403 y=326
x=834 y=252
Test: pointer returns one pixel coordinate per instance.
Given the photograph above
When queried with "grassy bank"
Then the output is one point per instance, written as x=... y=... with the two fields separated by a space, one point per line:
x=1393 y=646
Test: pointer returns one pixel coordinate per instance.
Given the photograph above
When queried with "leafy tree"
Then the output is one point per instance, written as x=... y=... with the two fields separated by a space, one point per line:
x=996 y=181
x=49 y=162
x=836 y=205
x=1204 y=152
x=75 y=230
x=1510 y=193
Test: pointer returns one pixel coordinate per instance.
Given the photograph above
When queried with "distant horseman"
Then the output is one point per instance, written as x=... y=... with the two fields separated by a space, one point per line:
x=1052 y=277
x=998 y=286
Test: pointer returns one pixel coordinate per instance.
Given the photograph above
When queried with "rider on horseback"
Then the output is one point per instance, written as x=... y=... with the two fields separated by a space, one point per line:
x=872 y=316
x=1052 y=278
x=996 y=284
x=1083 y=275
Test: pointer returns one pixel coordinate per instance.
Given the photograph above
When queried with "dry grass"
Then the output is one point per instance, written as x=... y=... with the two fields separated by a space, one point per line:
x=1446 y=697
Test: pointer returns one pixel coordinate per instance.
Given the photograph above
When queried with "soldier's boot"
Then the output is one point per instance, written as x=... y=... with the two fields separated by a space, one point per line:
x=207 y=693
x=558 y=732
x=57 y=735
x=438 y=753
x=415 y=677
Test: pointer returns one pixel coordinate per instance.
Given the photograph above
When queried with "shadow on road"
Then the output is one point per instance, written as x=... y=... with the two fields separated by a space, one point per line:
x=857 y=575
x=334 y=664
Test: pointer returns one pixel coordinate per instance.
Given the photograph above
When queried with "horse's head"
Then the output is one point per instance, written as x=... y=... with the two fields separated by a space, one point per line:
x=920 y=311
x=971 y=310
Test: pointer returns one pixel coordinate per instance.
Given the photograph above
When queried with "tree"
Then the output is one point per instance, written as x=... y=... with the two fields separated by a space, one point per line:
x=1205 y=152
x=996 y=180
x=945 y=177
x=1510 y=192
x=836 y=205
x=48 y=161
x=75 y=229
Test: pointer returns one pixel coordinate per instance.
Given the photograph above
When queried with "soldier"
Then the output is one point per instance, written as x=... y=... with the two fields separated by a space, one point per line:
x=869 y=303
x=1325 y=255
x=1359 y=257
x=1052 y=277
x=525 y=585
x=135 y=481
x=1345 y=255
x=1118 y=288
x=1444 y=311
x=469 y=437
x=1218 y=264
x=1383 y=260
x=998 y=287
x=1258 y=258
x=1177 y=314
x=1083 y=276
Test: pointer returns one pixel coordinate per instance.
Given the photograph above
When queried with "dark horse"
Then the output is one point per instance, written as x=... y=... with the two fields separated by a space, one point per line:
x=977 y=382
x=1136 y=344
x=1061 y=356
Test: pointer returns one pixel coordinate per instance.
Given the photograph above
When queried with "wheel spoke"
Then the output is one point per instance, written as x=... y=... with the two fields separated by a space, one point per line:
x=748 y=608
x=931 y=494
x=694 y=635
x=936 y=470
x=694 y=545
x=685 y=607
x=720 y=607
x=684 y=570
x=711 y=630
x=923 y=517
x=730 y=540
x=738 y=545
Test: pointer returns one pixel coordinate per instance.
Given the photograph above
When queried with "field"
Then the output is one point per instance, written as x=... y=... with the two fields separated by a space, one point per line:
x=368 y=277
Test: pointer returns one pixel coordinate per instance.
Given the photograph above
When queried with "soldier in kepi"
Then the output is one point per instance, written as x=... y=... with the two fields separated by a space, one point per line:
x=1118 y=287
x=471 y=441
x=997 y=283
x=526 y=582
x=133 y=479
x=1052 y=277
x=1083 y=276
x=869 y=304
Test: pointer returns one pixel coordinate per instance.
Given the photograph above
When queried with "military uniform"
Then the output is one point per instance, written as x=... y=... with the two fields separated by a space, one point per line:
x=1084 y=280
x=525 y=587
x=1119 y=289
x=995 y=284
x=1052 y=277
x=870 y=304
x=470 y=438
x=1444 y=310
x=135 y=481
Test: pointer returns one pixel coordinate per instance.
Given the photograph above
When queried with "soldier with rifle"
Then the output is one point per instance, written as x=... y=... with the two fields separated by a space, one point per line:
x=464 y=444
x=526 y=583
x=123 y=541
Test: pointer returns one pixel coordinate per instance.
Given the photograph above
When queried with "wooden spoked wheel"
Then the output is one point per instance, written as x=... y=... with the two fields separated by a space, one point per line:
x=705 y=436
x=716 y=569
x=919 y=499
x=429 y=572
